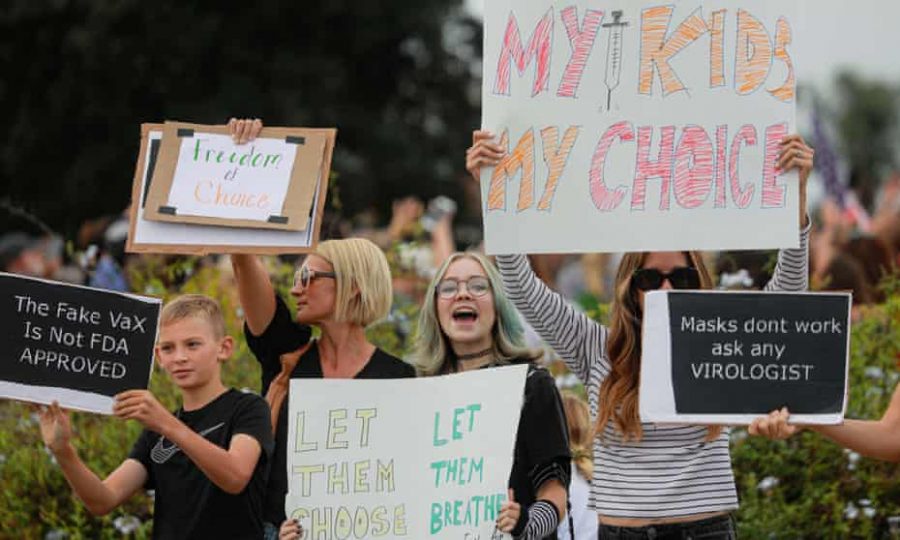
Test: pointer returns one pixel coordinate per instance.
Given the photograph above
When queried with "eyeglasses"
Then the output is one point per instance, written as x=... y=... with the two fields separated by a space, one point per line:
x=304 y=276
x=476 y=285
x=683 y=277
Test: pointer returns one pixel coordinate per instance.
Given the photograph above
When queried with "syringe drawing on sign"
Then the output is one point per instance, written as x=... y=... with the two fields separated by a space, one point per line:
x=614 y=55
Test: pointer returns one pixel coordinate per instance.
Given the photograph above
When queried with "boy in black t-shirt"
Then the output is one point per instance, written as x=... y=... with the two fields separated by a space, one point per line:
x=207 y=462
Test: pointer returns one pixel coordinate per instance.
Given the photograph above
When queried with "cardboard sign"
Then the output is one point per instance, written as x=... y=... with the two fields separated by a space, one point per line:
x=729 y=357
x=403 y=458
x=201 y=234
x=639 y=125
x=76 y=345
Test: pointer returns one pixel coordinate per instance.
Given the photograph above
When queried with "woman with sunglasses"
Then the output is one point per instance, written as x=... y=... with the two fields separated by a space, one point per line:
x=649 y=480
x=342 y=287
x=467 y=323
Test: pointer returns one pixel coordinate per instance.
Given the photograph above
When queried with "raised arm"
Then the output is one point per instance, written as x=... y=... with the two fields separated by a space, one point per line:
x=576 y=338
x=254 y=286
x=792 y=270
x=99 y=496
x=255 y=291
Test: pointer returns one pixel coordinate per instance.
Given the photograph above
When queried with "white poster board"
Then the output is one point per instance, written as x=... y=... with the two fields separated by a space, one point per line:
x=722 y=357
x=639 y=125
x=161 y=236
x=207 y=162
x=402 y=458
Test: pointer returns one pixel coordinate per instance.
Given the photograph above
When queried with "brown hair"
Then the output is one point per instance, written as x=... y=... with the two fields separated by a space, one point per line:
x=581 y=433
x=619 y=391
x=194 y=305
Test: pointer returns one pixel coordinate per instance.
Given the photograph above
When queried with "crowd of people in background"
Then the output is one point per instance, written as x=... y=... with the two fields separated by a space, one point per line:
x=569 y=450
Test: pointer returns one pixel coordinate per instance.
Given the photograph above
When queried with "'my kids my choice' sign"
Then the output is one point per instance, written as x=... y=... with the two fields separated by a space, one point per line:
x=639 y=125
x=407 y=458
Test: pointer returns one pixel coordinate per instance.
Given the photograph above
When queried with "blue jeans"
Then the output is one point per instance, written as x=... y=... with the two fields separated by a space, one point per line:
x=270 y=532
x=714 y=528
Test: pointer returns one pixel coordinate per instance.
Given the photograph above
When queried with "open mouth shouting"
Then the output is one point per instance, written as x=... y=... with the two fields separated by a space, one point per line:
x=464 y=315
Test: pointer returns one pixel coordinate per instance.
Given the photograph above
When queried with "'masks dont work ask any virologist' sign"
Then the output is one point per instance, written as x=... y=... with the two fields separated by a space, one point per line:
x=639 y=125
x=405 y=458
x=729 y=357
x=76 y=345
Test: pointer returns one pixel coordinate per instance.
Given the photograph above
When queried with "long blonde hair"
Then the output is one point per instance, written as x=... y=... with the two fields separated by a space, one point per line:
x=619 y=391
x=581 y=433
x=433 y=354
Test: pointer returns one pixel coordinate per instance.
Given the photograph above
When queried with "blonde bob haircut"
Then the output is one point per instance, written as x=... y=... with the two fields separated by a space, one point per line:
x=194 y=305
x=433 y=353
x=363 y=293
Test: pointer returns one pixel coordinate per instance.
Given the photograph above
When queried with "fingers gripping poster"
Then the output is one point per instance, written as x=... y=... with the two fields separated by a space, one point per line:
x=636 y=125
x=404 y=458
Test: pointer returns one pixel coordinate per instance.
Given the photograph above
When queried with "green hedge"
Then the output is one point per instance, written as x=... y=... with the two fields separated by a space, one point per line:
x=804 y=487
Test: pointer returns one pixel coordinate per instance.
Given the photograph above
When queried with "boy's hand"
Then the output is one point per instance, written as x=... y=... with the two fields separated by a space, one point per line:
x=56 y=429
x=142 y=406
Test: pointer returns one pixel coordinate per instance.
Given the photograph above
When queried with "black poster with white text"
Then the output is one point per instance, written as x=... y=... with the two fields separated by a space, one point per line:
x=712 y=353
x=78 y=345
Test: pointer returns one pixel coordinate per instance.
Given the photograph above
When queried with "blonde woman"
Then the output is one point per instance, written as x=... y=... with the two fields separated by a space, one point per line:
x=581 y=434
x=342 y=287
x=649 y=480
x=467 y=323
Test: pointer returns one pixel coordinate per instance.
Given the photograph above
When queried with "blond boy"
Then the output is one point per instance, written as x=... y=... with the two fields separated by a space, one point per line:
x=207 y=461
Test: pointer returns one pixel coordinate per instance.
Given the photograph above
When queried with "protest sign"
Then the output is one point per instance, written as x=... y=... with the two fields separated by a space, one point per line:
x=220 y=226
x=404 y=458
x=73 y=344
x=729 y=357
x=639 y=125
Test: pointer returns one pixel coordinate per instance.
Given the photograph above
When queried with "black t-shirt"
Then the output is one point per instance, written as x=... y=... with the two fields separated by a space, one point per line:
x=284 y=335
x=187 y=503
x=542 y=440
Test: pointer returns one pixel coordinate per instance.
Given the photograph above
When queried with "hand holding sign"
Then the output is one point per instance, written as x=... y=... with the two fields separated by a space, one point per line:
x=56 y=428
x=483 y=153
x=774 y=426
x=244 y=130
x=796 y=154
x=143 y=406
x=509 y=514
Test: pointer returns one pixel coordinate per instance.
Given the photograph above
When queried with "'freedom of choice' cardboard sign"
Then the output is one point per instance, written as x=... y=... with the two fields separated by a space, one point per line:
x=729 y=357
x=195 y=192
x=404 y=458
x=76 y=345
x=636 y=125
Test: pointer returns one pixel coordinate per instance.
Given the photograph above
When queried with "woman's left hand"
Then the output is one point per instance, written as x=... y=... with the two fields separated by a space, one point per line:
x=796 y=154
x=509 y=514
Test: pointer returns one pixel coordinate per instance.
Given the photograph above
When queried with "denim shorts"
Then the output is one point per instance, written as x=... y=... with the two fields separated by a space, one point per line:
x=714 y=528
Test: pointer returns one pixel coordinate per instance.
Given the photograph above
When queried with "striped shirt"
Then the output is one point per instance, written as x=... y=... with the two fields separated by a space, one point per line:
x=673 y=471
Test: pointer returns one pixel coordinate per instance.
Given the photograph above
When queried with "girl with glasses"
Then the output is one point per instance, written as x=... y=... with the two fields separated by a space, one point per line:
x=466 y=323
x=342 y=287
x=648 y=480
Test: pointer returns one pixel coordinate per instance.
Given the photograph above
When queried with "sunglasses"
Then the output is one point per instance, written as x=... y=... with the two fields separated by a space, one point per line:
x=476 y=285
x=683 y=277
x=304 y=276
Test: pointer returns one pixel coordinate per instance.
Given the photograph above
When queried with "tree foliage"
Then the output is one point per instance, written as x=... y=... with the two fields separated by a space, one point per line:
x=394 y=76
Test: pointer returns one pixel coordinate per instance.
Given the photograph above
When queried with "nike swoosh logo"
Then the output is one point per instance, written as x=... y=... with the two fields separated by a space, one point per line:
x=161 y=454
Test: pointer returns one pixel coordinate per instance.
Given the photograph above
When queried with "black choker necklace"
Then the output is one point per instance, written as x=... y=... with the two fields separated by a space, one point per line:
x=474 y=355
